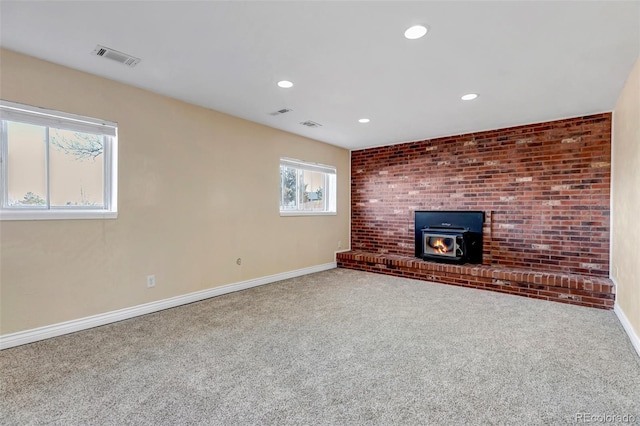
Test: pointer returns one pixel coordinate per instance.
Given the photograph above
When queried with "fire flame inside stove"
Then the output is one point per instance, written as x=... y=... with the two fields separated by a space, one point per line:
x=439 y=246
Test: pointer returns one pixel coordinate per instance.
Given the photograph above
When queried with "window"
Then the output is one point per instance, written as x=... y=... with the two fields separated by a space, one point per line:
x=55 y=165
x=306 y=188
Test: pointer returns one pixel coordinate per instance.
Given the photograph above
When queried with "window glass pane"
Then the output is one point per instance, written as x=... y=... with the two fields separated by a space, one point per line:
x=76 y=168
x=26 y=180
x=330 y=197
x=306 y=188
x=312 y=190
x=288 y=184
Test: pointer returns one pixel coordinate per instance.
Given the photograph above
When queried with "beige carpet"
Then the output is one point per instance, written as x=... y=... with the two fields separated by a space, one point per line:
x=337 y=347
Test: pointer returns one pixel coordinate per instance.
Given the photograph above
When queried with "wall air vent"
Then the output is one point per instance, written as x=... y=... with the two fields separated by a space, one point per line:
x=109 y=53
x=280 y=111
x=310 y=123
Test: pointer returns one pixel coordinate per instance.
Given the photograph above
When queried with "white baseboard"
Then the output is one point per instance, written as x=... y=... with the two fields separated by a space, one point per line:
x=635 y=340
x=54 y=330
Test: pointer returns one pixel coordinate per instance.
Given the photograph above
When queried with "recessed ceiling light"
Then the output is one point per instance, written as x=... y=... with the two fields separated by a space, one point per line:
x=469 y=97
x=415 y=32
x=285 y=84
x=364 y=120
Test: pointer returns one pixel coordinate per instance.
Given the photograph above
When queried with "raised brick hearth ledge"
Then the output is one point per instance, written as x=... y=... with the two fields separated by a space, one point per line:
x=596 y=292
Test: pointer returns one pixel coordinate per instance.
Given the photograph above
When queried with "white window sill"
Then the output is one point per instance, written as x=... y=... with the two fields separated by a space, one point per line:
x=56 y=214
x=303 y=213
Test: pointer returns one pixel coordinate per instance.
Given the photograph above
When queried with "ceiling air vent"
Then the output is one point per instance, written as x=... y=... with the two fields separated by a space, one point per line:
x=280 y=111
x=310 y=123
x=109 y=53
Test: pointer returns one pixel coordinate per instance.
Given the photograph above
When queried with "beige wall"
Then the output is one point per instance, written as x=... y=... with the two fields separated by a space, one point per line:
x=625 y=254
x=197 y=189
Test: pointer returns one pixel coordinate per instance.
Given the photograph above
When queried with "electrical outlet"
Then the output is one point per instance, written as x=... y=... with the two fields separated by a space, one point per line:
x=239 y=261
x=339 y=243
x=151 y=281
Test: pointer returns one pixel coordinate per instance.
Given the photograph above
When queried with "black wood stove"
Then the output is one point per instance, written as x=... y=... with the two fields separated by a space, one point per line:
x=449 y=236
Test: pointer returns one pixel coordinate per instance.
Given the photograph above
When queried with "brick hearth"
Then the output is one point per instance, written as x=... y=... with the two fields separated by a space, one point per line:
x=596 y=292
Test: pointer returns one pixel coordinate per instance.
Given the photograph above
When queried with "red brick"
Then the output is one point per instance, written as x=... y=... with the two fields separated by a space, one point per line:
x=482 y=174
x=495 y=278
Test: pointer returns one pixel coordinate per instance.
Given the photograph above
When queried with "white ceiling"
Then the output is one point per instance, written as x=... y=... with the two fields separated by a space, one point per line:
x=529 y=61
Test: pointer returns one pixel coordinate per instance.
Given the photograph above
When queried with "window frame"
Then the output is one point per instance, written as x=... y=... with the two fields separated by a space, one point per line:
x=329 y=188
x=27 y=114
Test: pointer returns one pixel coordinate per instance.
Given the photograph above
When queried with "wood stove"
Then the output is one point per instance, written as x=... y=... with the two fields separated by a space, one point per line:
x=449 y=236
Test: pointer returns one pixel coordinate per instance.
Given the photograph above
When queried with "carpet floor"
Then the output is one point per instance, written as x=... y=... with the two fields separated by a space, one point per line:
x=333 y=348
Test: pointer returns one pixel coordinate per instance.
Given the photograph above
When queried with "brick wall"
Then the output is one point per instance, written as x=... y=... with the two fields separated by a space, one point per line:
x=543 y=187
